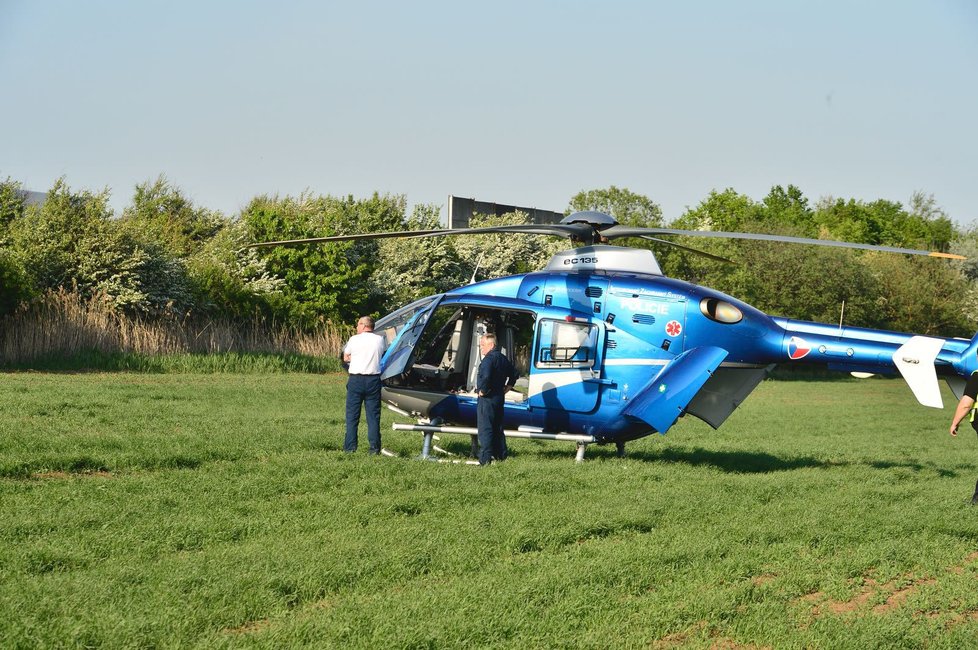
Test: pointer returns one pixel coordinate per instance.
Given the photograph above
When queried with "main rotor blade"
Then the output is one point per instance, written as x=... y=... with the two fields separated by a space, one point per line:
x=614 y=232
x=370 y=235
x=689 y=248
x=573 y=230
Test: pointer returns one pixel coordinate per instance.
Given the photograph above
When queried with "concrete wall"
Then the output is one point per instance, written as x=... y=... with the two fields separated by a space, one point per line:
x=460 y=211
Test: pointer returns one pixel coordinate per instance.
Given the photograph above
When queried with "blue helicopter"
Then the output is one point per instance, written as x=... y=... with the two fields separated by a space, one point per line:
x=610 y=350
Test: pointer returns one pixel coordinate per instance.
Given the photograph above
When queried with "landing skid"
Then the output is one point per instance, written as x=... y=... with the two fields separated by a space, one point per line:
x=429 y=430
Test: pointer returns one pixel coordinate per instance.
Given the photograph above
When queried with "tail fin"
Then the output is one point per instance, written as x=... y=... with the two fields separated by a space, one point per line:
x=915 y=361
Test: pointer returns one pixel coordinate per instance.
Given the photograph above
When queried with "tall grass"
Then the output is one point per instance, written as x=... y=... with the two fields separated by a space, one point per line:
x=62 y=325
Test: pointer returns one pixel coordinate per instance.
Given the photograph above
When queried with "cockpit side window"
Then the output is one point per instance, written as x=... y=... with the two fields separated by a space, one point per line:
x=439 y=345
x=564 y=344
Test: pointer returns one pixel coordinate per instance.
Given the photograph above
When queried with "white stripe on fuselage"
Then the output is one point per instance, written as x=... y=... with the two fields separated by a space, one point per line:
x=541 y=381
x=636 y=362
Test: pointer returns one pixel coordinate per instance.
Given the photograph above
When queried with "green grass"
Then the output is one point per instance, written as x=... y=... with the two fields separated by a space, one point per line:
x=216 y=510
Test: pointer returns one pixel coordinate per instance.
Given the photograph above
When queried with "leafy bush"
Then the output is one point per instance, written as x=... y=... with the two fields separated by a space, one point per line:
x=161 y=214
x=229 y=279
x=71 y=242
x=322 y=283
x=11 y=205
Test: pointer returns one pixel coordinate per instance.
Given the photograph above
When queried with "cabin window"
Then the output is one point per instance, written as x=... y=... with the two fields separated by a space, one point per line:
x=565 y=344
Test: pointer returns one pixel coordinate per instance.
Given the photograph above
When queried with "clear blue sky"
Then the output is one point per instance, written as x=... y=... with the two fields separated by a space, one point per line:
x=514 y=102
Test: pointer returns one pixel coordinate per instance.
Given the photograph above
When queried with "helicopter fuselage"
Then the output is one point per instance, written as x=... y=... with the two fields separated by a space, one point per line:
x=609 y=348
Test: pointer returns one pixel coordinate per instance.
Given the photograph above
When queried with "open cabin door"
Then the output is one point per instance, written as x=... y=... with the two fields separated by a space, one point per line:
x=398 y=357
x=439 y=353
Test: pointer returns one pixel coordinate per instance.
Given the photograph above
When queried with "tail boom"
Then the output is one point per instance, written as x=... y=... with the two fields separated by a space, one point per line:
x=918 y=359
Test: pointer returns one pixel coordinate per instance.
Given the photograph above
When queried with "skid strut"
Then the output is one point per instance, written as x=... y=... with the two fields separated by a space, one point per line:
x=429 y=430
x=581 y=448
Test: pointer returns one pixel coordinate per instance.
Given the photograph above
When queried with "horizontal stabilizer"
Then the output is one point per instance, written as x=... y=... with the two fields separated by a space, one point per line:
x=915 y=361
x=724 y=392
x=662 y=402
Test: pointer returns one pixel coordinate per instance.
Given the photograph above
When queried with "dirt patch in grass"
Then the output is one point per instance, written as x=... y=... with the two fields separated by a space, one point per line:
x=763 y=579
x=870 y=588
x=896 y=596
x=970 y=559
x=251 y=627
x=870 y=591
x=678 y=639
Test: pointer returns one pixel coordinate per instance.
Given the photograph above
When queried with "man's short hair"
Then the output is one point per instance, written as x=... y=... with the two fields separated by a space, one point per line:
x=490 y=337
x=366 y=320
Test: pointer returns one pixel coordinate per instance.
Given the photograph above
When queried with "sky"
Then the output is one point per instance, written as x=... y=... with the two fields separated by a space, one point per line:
x=517 y=102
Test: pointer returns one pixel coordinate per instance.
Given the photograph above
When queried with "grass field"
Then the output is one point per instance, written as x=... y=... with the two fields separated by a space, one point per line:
x=216 y=510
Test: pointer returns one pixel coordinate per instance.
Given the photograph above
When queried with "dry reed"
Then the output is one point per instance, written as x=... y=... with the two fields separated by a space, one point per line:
x=62 y=323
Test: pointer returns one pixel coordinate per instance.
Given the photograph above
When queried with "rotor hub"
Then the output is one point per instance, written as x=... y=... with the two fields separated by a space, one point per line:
x=597 y=220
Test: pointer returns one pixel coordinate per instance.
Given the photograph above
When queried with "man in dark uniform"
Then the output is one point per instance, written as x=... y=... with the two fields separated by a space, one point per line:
x=496 y=376
x=965 y=407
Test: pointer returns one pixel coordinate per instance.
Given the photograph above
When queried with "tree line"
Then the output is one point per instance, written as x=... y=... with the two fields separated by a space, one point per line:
x=164 y=257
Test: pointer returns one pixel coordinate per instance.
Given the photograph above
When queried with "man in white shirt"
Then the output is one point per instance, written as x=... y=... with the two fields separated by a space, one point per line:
x=363 y=352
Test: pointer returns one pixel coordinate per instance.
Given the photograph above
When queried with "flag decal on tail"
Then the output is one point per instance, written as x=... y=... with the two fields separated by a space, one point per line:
x=798 y=348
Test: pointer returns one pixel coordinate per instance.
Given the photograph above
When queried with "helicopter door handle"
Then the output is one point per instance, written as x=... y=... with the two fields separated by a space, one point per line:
x=603 y=382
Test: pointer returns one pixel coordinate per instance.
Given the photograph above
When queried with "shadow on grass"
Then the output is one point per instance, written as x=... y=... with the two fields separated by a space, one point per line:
x=737 y=462
x=943 y=472
x=744 y=462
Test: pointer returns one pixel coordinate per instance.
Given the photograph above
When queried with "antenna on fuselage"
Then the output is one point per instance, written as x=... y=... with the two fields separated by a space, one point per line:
x=478 y=263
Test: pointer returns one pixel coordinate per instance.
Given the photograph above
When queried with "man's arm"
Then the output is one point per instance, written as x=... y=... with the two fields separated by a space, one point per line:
x=964 y=407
